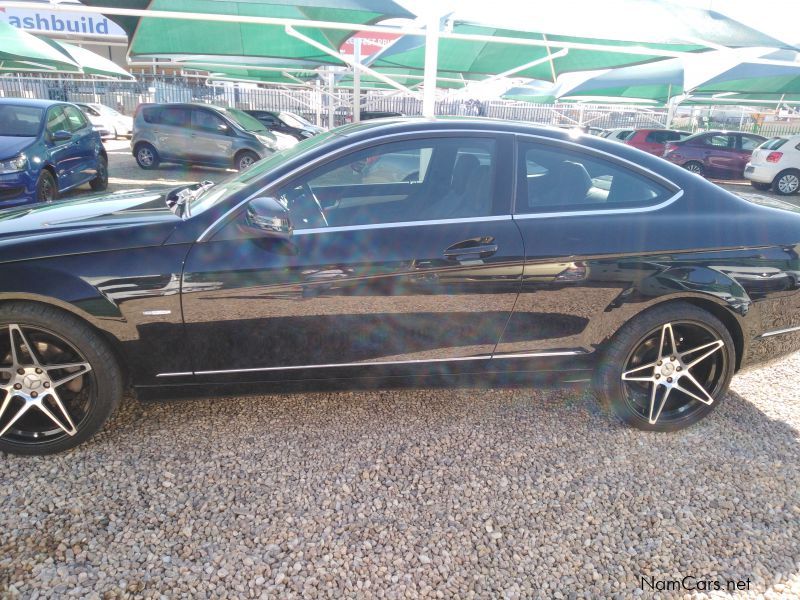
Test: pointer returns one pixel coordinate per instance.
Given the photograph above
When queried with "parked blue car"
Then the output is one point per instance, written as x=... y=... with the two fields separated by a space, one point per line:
x=47 y=148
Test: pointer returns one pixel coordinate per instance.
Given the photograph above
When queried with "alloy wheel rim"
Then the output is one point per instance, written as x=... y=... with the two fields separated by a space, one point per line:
x=694 y=168
x=145 y=157
x=46 y=191
x=46 y=386
x=789 y=183
x=674 y=371
x=245 y=162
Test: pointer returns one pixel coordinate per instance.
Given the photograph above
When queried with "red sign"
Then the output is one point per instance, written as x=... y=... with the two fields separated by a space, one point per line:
x=371 y=42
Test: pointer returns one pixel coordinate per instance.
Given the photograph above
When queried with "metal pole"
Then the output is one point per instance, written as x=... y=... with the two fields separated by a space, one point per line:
x=356 y=81
x=431 y=64
x=331 y=103
x=318 y=103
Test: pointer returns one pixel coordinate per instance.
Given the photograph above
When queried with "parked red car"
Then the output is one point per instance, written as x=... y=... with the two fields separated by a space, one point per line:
x=653 y=141
x=714 y=153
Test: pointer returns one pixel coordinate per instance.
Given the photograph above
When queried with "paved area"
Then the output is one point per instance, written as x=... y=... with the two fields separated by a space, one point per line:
x=459 y=493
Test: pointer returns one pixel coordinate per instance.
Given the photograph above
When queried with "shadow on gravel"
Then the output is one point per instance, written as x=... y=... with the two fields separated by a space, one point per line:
x=502 y=492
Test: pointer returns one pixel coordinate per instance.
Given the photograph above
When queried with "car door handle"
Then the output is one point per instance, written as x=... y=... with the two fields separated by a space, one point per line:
x=471 y=249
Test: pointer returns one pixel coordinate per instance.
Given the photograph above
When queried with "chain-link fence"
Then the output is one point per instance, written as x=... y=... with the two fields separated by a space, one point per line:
x=318 y=105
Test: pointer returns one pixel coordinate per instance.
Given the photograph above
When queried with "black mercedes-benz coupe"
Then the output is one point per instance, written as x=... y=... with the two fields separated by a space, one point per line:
x=405 y=248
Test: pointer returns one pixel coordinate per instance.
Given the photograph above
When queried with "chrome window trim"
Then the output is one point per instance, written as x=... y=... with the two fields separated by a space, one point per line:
x=609 y=211
x=780 y=331
x=378 y=363
x=206 y=234
x=400 y=224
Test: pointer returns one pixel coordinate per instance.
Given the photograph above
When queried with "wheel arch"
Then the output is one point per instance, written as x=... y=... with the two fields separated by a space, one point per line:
x=86 y=318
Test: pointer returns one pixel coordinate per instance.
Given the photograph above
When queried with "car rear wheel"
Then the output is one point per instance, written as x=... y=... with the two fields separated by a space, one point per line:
x=100 y=182
x=695 y=167
x=787 y=182
x=147 y=156
x=244 y=160
x=46 y=188
x=763 y=187
x=59 y=381
x=667 y=368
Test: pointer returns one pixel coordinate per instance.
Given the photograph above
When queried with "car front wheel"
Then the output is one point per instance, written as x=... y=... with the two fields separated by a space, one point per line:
x=46 y=188
x=695 y=167
x=245 y=160
x=59 y=381
x=667 y=368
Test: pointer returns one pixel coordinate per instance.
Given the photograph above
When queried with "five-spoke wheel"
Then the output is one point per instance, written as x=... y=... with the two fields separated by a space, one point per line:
x=51 y=396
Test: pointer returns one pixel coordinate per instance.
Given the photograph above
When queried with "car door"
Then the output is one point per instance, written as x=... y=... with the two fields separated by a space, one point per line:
x=211 y=139
x=583 y=215
x=84 y=142
x=172 y=132
x=64 y=154
x=415 y=262
x=721 y=154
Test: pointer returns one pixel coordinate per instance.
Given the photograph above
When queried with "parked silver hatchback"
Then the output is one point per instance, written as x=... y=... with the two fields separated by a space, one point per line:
x=199 y=134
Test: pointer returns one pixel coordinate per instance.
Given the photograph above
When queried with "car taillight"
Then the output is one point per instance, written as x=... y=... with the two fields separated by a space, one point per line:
x=774 y=157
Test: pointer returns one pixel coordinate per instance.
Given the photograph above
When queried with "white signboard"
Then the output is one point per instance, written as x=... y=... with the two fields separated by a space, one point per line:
x=67 y=23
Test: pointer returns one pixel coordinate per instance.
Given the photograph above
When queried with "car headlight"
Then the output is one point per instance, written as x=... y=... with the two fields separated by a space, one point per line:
x=268 y=142
x=14 y=165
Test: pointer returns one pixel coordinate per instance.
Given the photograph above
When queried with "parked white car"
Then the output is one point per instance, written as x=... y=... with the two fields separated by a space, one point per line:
x=776 y=164
x=107 y=121
x=618 y=135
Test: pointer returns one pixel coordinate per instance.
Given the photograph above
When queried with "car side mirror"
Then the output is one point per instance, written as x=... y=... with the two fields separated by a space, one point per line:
x=62 y=135
x=223 y=128
x=266 y=217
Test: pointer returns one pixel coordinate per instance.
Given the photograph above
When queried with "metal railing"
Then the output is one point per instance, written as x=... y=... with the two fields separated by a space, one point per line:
x=317 y=105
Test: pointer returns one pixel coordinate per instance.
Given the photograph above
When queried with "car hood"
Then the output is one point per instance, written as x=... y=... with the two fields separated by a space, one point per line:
x=11 y=145
x=94 y=224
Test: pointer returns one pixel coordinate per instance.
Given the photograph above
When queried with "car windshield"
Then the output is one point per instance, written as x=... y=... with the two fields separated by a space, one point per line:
x=234 y=183
x=294 y=120
x=245 y=121
x=20 y=121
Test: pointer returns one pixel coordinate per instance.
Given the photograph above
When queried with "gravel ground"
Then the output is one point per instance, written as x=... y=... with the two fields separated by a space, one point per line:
x=438 y=493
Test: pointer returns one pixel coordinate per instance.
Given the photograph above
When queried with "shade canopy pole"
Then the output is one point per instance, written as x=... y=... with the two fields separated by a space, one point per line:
x=356 y=81
x=431 y=64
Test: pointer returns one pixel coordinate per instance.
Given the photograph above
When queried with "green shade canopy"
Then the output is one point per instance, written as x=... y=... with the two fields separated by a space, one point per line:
x=89 y=62
x=157 y=37
x=630 y=40
x=758 y=79
x=22 y=52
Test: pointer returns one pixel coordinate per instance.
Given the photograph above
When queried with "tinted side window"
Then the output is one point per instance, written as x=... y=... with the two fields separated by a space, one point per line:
x=555 y=178
x=151 y=114
x=56 y=120
x=75 y=118
x=205 y=120
x=721 y=141
x=749 y=143
x=174 y=116
x=655 y=137
x=416 y=180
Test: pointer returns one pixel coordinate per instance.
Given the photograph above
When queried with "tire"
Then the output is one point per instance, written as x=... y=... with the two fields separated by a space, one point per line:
x=633 y=353
x=100 y=182
x=244 y=160
x=146 y=156
x=90 y=388
x=787 y=182
x=762 y=187
x=695 y=167
x=46 y=187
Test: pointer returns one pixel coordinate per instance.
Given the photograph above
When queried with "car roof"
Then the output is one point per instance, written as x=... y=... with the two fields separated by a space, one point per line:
x=34 y=102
